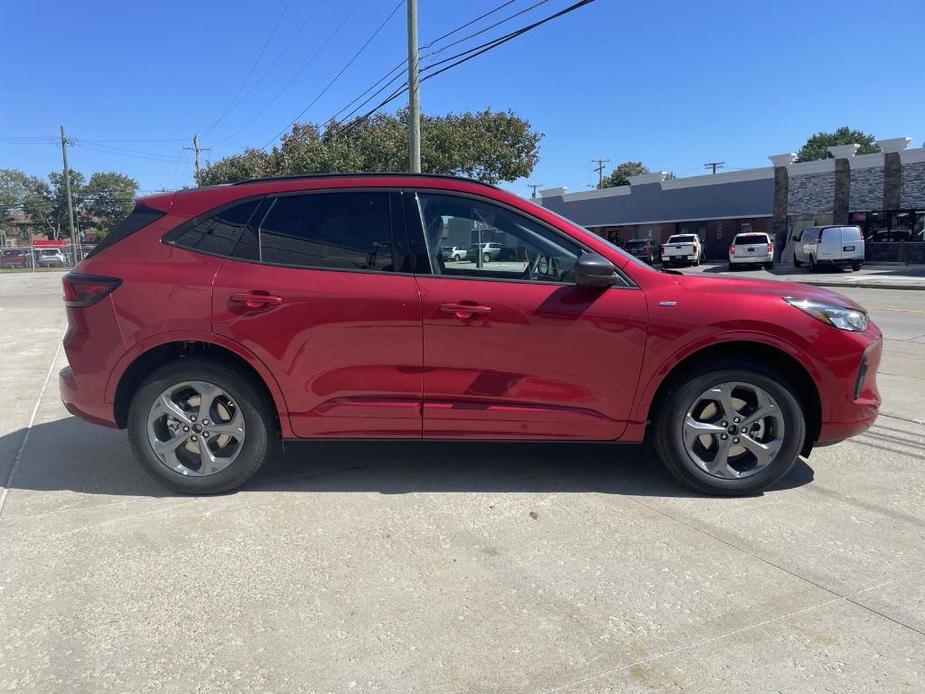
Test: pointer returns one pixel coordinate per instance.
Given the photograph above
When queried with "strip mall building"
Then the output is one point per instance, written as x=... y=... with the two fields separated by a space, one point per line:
x=883 y=193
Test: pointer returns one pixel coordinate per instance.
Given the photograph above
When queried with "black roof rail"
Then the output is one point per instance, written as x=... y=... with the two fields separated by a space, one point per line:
x=287 y=177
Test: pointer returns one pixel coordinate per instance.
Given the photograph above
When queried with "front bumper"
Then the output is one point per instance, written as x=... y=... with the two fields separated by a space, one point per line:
x=858 y=404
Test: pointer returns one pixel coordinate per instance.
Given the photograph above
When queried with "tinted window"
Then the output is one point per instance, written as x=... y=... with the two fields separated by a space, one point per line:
x=502 y=244
x=138 y=218
x=350 y=231
x=686 y=238
x=749 y=239
x=225 y=233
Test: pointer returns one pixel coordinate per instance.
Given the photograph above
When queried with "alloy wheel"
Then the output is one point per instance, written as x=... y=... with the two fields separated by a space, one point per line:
x=733 y=430
x=195 y=428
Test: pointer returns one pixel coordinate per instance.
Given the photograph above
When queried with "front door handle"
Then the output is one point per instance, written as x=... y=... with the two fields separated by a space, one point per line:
x=254 y=300
x=465 y=310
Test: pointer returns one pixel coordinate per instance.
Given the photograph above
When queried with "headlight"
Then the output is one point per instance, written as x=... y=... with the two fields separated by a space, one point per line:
x=836 y=316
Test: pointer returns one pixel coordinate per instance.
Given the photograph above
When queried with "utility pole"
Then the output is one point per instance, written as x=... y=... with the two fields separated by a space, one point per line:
x=714 y=165
x=414 y=94
x=67 y=188
x=600 y=170
x=533 y=187
x=196 y=149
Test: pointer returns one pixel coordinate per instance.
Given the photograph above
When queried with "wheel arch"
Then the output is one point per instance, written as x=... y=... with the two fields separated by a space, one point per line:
x=781 y=361
x=153 y=356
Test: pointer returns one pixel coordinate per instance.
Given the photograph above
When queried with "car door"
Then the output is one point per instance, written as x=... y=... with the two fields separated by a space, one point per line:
x=512 y=348
x=324 y=296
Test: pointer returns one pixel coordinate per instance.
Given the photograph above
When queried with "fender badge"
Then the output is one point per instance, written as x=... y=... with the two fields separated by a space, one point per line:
x=667 y=303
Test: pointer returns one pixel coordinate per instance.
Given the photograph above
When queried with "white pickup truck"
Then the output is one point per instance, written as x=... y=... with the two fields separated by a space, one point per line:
x=682 y=249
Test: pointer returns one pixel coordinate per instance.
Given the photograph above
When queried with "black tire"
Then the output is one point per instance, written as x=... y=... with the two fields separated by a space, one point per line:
x=668 y=438
x=855 y=267
x=797 y=263
x=733 y=267
x=812 y=264
x=259 y=422
x=456 y=258
x=486 y=258
x=769 y=266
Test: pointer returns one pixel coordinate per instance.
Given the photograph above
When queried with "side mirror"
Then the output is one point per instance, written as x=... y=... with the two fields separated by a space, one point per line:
x=593 y=270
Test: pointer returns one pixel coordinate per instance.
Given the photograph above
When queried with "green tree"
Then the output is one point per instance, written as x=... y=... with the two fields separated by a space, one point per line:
x=54 y=198
x=816 y=146
x=491 y=146
x=21 y=197
x=107 y=198
x=620 y=176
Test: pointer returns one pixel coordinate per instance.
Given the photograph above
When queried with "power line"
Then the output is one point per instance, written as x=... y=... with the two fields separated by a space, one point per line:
x=300 y=71
x=400 y=66
x=276 y=60
x=336 y=77
x=232 y=104
x=714 y=165
x=473 y=53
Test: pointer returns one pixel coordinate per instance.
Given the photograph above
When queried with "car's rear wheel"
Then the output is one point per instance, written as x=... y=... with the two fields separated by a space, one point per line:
x=730 y=431
x=199 y=427
x=486 y=258
x=855 y=267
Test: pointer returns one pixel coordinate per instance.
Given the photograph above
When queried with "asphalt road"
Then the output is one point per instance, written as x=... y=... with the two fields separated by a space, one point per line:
x=454 y=567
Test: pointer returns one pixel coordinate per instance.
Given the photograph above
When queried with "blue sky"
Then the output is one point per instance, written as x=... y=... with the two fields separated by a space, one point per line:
x=673 y=84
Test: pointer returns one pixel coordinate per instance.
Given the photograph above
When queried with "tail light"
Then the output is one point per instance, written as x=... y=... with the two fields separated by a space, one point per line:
x=770 y=247
x=732 y=249
x=86 y=290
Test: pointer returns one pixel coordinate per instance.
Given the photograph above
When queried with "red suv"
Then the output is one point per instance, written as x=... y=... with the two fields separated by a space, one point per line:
x=213 y=322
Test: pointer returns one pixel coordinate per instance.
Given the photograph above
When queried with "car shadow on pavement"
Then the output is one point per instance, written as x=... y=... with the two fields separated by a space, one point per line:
x=71 y=455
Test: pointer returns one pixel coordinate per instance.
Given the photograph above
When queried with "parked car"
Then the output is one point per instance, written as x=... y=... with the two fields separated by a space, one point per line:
x=487 y=251
x=15 y=258
x=646 y=250
x=456 y=253
x=753 y=249
x=50 y=257
x=682 y=249
x=833 y=245
x=214 y=322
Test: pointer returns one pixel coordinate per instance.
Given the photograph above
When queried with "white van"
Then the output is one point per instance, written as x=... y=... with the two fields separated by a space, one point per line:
x=835 y=245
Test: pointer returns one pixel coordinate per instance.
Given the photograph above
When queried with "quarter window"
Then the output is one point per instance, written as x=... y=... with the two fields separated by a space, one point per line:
x=499 y=243
x=226 y=233
x=349 y=231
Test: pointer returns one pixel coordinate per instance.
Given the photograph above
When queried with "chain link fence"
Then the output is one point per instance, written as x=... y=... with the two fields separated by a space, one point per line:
x=36 y=258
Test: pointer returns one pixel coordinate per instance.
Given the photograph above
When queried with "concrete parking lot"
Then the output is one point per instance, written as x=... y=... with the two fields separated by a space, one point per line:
x=440 y=567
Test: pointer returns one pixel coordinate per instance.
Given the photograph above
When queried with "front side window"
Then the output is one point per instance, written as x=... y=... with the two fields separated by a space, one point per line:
x=499 y=243
x=225 y=233
x=349 y=231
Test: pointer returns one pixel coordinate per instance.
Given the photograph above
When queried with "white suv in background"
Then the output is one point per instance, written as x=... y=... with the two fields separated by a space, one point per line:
x=834 y=245
x=753 y=249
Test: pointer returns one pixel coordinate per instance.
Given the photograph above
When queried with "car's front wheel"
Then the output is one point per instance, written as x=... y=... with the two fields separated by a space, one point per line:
x=200 y=427
x=730 y=431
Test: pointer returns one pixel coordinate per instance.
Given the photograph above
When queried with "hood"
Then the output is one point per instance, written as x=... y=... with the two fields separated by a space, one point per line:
x=735 y=285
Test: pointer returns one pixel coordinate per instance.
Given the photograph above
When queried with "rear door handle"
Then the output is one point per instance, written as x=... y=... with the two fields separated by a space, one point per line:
x=255 y=300
x=465 y=310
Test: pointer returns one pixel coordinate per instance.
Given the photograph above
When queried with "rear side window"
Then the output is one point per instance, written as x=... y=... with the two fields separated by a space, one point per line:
x=140 y=217
x=749 y=239
x=350 y=231
x=226 y=233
